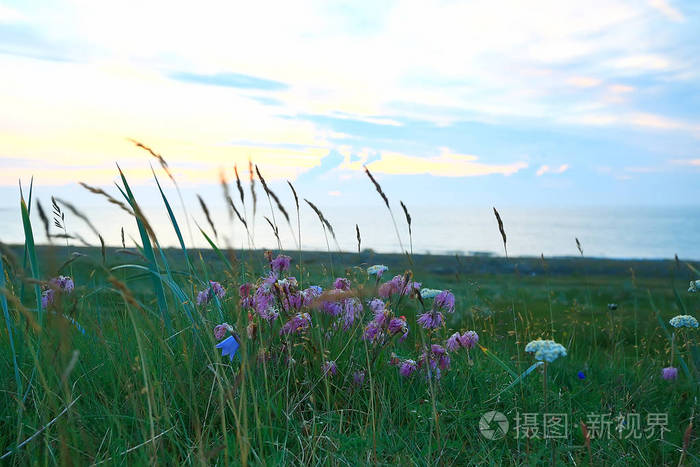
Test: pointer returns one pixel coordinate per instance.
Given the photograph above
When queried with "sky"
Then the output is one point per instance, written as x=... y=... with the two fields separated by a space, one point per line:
x=479 y=102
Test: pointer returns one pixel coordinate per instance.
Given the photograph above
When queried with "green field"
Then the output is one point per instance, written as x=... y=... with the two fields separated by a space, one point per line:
x=147 y=387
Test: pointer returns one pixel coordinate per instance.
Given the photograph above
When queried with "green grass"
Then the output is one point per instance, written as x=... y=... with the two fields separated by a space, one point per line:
x=145 y=384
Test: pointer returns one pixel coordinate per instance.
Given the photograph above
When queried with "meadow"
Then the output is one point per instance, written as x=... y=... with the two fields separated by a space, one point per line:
x=329 y=358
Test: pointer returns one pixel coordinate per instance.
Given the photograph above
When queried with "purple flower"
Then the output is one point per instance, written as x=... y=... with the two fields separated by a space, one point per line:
x=430 y=320
x=341 y=283
x=207 y=294
x=300 y=322
x=670 y=373
x=453 y=342
x=358 y=377
x=64 y=283
x=445 y=301
x=397 y=325
x=329 y=368
x=221 y=330
x=376 y=305
x=281 y=263
x=217 y=289
x=372 y=332
x=203 y=297
x=407 y=368
x=469 y=339
x=47 y=297
x=228 y=346
x=353 y=309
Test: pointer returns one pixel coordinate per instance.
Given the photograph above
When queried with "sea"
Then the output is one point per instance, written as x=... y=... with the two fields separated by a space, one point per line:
x=602 y=231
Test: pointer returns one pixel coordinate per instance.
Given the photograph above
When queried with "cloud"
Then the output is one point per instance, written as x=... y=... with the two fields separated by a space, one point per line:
x=445 y=164
x=544 y=169
x=639 y=120
x=642 y=63
x=583 y=81
x=691 y=162
x=233 y=80
x=667 y=10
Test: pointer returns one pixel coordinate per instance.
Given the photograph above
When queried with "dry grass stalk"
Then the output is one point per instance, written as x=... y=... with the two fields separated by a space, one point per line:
x=78 y=214
x=252 y=188
x=578 y=245
x=272 y=194
x=378 y=187
x=359 y=239
x=239 y=185
x=207 y=215
x=408 y=221
x=44 y=220
x=502 y=230
x=161 y=160
x=110 y=198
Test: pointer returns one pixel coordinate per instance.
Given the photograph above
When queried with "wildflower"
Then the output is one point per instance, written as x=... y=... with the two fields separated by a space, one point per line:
x=581 y=375
x=612 y=306
x=352 y=310
x=377 y=270
x=670 y=373
x=436 y=357
x=445 y=301
x=396 y=285
x=214 y=289
x=57 y=284
x=358 y=377
x=684 y=321
x=453 y=343
x=694 y=286
x=300 y=322
x=469 y=339
x=407 y=368
x=47 y=297
x=430 y=320
x=217 y=289
x=341 y=283
x=329 y=368
x=372 y=332
x=65 y=283
x=546 y=350
x=221 y=330
x=281 y=263
x=228 y=346
x=429 y=293
x=397 y=325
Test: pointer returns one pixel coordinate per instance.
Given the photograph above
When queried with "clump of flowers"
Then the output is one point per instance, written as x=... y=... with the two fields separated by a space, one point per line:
x=429 y=293
x=208 y=294
x=467 y=340
x=61 y=284
x=694 y=286
x=683 y=321
x=545 y=350
x=280 y=311
x=444 y=302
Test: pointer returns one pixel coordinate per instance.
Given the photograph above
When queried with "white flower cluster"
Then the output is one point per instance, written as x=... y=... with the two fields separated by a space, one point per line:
x=377 y=269
x=684 y=321
x=429 y=293
x=694 y=286
x=546 y=350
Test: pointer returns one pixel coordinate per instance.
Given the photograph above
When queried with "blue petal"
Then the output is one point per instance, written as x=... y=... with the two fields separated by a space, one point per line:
x=228 y=346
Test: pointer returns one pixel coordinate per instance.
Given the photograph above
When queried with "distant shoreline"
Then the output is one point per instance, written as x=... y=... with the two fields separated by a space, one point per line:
x=478 y=264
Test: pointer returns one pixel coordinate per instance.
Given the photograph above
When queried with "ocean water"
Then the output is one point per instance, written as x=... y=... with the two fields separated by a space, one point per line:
x=612 y=232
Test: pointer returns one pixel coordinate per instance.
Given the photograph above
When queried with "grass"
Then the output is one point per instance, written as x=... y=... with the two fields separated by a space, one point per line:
x=145 y=384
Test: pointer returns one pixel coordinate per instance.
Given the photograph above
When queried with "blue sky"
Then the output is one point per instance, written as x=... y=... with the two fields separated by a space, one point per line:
x=543 y=102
